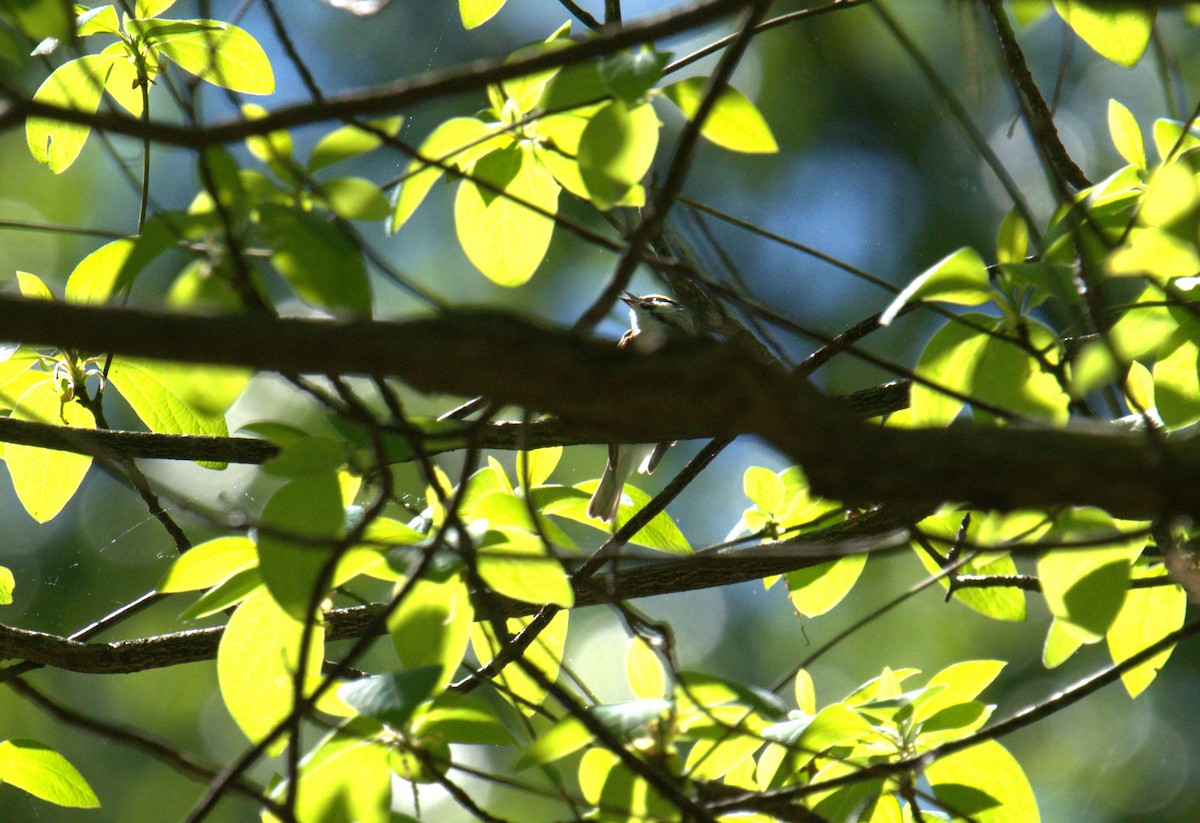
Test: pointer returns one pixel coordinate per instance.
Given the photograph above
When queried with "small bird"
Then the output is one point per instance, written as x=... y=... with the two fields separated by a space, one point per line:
x=653 y=320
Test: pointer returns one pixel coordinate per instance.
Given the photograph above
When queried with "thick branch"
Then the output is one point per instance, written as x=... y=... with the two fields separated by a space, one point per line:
x=697 y=388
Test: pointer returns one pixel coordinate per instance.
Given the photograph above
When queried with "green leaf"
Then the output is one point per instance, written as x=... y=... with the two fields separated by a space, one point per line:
x=151 y=8
x=545 y=653
x=208 y=564
x=8 y=583
x=516 y=564
x=1086 y=588
x=433 y=625
x=1147 y=616
x=33 y=287
x=834 y=725
x=962 y=682
x=257 y=661
x=391 y=698
x=1007 y=376
x=215 y=51
x=1012 y=244
x=1060 y=644
x=1118 y=30
x=764 y=488
x=40 y=19
x=960 y=278
x=45 y=774
x=985 y=783
x=616 y=149
x=1177 y=386
x=565 y=737
x=1126 y=135
x=817 y=589
x=94 y=278
x=644 y=670
x=461 y=718
x=475 y=13
x=306 y=456
x=310 y=508
x=353 y=198
x=630 y=74
x=45 y=479
x=948 y=360
x=207 y=390
x=78 y=85
x=535 y=467
x=733 y=122
x=502 y=236
x=660 y=533
x=320 y=262
x=459 y=143
x=346 y=779
x=226 y=594
x=1156 y=253
x=158 y=406
x=351 y=141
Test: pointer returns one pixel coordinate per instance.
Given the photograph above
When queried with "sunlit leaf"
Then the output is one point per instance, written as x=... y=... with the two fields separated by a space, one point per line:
x=545 y=653
x=1119 y=31
x=45 y=774
x=501 y=234
x=299 y=525
x=209 y=563
x=77 y=85
x=45 y=479
x=317 y=258
x=351 y=141
x=984 y=782
x=257 y=663
x=433 y=625
x=215 y=51
x=475 y=13
x=616 y=149
x=1126 y=135
x=1147 y=616
x=733 y=123
x=959 y=278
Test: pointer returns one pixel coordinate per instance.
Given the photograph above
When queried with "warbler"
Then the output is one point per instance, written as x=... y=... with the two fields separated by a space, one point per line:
x=653 y=320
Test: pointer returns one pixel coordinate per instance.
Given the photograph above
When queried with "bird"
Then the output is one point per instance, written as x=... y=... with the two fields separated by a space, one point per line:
x=654 y=319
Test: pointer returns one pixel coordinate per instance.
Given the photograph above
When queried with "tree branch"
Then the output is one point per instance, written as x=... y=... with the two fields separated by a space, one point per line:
x=697 y=388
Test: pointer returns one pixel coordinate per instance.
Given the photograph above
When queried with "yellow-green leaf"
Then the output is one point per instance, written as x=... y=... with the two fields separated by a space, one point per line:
x=217 y=52
x=45 y=479
x=516 y=564
x=545 y=653
x=433 y=625
x=351 y=141
x=1118 y=30
x=616 y=149
x=475 y=13
x=961 y=278
x=45 y=774
x=733 y=122
x=206 y=565
x=159 y=407
x=1147 y=616
x=256 y=663
x=457 y=143
x=986 y=783
x=1126 y=135
x=78 y=85
x=502 y=236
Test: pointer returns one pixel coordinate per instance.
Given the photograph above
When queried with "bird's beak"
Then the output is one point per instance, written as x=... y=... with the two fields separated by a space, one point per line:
x=630 y=299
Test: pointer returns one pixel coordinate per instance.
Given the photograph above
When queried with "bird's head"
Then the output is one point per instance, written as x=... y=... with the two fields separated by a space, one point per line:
x=659 y=316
